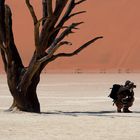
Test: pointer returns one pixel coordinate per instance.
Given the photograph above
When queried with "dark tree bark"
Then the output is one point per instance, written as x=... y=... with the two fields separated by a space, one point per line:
x=23 y=81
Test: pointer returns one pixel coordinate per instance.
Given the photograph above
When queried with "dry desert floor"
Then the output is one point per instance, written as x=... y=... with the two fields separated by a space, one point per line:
x=74 y=107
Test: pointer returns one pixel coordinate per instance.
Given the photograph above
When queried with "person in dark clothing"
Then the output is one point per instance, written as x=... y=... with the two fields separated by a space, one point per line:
x=125 y=97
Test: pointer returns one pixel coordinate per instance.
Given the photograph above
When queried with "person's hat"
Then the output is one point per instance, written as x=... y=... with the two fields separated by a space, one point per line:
x=127 y=82
x=131 y=85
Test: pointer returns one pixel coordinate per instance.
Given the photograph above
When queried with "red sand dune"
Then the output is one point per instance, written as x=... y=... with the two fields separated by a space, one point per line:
x=117 y=20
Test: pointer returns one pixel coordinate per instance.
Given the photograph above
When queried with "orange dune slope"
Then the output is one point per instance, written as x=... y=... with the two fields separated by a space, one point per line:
x=117 y=20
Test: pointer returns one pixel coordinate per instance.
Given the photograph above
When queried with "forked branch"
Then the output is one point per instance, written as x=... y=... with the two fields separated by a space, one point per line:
x=50 y=22
x=77 y=51
x=68 y=14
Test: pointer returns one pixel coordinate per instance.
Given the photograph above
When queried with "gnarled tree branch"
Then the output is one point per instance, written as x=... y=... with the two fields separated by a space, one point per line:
x=68 y=14
x=9 y=51
x=52 y=50
x=44 y=11
x=49 y=8
x=2 y=23
x=77 y=51
x=32 y=12
x=12 y=52
x=36 y=26
x=49 y=23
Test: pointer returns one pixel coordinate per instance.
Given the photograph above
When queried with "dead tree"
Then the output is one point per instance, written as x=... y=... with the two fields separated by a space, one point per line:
x=22 y=81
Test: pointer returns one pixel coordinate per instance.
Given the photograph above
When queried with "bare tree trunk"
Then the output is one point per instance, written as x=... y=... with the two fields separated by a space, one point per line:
x=24 y=100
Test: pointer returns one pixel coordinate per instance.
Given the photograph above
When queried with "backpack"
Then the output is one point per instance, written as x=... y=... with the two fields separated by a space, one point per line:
x=114 y=91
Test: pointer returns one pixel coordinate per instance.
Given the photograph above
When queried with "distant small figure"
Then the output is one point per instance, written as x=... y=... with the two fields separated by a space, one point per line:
x=123 y=96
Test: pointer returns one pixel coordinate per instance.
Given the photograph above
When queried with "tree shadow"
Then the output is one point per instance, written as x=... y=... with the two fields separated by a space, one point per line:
x=79 y=113
x=138 y=112
x=111 y=114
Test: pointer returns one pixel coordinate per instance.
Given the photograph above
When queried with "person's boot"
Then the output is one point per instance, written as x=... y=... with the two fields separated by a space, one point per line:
x=119 y=110
x=126 y=110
